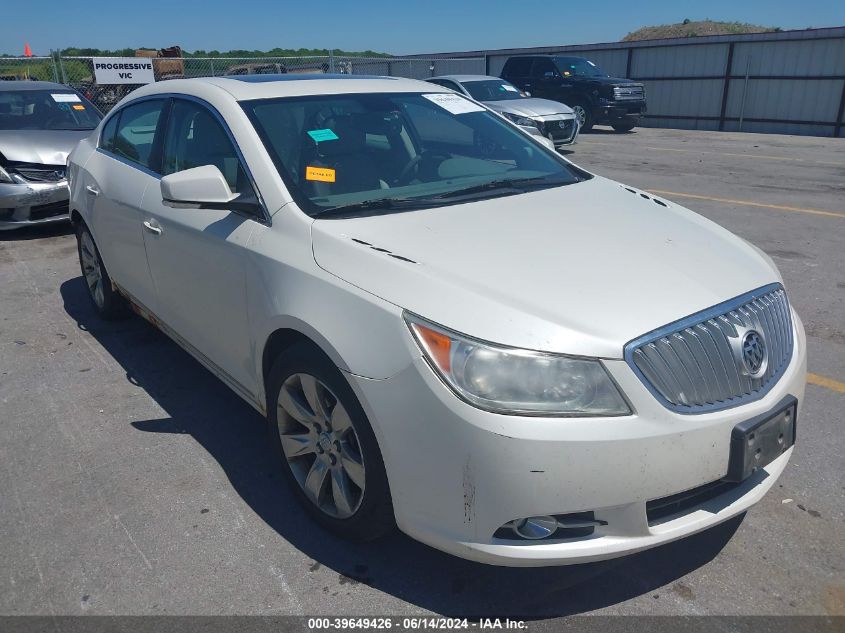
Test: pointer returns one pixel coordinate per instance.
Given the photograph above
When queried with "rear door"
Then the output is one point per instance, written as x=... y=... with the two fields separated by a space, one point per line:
x=116 y=177
x=197 y=257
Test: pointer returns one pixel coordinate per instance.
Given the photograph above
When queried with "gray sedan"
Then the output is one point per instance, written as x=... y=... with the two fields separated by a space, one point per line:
x=540 y=117
x=40 y=123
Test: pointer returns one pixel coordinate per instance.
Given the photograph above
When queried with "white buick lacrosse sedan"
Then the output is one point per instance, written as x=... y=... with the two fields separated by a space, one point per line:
x=449 y=327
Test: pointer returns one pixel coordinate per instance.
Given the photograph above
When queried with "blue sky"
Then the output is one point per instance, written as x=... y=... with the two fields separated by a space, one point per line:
x=395 y=26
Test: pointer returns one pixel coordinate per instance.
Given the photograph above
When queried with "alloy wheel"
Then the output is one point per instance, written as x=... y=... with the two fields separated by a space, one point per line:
x=91 y=269
x=320 y=445
x=580 y=114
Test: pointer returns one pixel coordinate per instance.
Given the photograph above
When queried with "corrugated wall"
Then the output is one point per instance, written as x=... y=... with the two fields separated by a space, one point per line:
x=791 y=82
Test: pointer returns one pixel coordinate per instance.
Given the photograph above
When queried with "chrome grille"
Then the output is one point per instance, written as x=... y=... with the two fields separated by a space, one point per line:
x=39 y=173
x=629 y=92
x=697 y=364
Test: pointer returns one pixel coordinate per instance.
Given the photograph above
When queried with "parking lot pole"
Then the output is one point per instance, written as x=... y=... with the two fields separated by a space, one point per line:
x=62 y=68
x=53 y=64
x=211 y=60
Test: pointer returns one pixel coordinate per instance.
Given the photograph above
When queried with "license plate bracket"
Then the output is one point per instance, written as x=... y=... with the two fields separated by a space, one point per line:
x=757 y=442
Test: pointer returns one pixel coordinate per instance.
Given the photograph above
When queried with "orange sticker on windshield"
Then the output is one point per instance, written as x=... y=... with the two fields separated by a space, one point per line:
x=78 y=107
x=323 y=174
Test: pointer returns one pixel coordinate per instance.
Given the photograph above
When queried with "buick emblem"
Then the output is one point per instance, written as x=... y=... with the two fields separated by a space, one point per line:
x=753 y=353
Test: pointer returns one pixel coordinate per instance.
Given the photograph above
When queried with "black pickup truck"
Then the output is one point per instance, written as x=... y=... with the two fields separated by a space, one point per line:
x=583 y=86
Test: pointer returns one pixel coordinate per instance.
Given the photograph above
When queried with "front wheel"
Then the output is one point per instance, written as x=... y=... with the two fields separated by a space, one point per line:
x=327 y=447
x=583 y=115
x=108 y=303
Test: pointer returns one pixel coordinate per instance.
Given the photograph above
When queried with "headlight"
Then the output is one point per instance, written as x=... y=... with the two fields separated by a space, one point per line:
x=521 y=120
x=517 y=381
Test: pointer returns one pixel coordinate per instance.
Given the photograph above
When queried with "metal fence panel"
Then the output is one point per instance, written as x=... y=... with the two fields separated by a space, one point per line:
x=797 y=99
x=808 y=57
x=700 y=60
x=694 y=97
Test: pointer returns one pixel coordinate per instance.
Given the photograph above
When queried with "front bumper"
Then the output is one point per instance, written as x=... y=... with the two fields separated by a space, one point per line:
x=32 y=203
x=457 y=474
x=616 y=111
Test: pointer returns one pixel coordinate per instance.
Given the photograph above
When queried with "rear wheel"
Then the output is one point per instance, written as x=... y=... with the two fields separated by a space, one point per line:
x=327 y=447
x=583 y=115
x=626 y=126
x=107 y=301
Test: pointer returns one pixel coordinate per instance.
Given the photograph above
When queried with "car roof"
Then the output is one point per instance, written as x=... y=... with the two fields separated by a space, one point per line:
x=6 y=86
x=462 y=78
x=247 y=87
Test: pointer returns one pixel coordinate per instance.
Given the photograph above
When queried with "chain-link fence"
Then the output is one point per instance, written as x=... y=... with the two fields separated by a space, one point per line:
x=78 y=72
x=28 y=68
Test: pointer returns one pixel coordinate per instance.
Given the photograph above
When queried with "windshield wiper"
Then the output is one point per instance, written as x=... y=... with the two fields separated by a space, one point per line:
x=516 y=185
x=388 y=204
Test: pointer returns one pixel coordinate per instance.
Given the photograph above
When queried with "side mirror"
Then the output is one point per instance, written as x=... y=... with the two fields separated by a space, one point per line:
x=203 y=188
x=546 y=141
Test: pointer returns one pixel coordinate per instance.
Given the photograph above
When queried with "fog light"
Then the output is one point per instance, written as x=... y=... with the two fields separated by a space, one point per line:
x=535 y=528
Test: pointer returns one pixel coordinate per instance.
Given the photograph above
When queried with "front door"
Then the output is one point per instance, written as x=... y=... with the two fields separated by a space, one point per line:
x=197 y=257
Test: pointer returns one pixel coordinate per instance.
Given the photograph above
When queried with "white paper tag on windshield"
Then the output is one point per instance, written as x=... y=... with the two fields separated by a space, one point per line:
x=455 y=104
x=65 y=98
x=509 y=88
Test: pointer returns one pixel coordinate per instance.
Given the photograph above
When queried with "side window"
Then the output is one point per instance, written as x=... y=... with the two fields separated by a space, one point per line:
x=136 y=131
x=543 y=68
x=195 y=138
x=107 y=135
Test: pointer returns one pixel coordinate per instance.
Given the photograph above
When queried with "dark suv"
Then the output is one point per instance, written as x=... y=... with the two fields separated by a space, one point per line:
x=583 y=86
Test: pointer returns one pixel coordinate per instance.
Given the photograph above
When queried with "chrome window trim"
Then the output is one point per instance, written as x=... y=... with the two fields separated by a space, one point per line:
x=694 y=319
x=265 y=217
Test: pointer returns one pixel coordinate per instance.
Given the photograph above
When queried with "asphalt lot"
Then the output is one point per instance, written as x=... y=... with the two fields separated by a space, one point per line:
x=133 y=482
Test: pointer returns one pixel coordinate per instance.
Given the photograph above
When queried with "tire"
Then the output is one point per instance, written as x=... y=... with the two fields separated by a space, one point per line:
x=624 y=127
x=331 y=460
x=108 y=303
x=583 y=114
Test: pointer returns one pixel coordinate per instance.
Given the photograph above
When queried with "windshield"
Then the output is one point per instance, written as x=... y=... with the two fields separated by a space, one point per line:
x=408 y=150
x=46 y=110
x=491 y=90
x=578 y=67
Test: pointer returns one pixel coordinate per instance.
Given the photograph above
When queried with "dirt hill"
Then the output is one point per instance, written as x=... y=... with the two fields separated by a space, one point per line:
x=688 y=28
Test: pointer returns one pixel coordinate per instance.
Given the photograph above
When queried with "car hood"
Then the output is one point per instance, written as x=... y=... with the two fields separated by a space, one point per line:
x=530 y=107
x=580 y=269
x=47 y=147
x=613 y=81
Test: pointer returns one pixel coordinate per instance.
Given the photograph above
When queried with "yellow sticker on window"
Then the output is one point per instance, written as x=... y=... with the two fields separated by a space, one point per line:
x=78 y=106
x=323 y=174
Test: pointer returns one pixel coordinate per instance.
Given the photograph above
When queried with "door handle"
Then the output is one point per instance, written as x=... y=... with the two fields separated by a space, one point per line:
x=92 y=191
x=152 y=228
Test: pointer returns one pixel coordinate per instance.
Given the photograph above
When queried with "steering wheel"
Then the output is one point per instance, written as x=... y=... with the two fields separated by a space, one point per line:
x=412 y=164
x=56 y=119
x=409 y=168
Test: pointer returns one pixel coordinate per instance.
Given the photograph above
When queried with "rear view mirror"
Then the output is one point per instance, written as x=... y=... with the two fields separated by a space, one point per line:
x=203 y=188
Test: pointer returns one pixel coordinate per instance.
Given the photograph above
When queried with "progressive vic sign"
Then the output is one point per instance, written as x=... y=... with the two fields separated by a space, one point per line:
x=123 y=70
